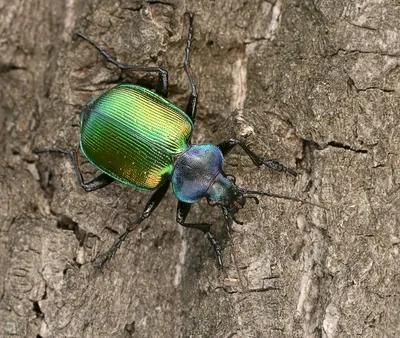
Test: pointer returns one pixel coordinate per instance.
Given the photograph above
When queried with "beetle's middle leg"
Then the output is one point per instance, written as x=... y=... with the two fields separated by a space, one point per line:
x=227 y=146
x=97 y=183
x=151 y=205
x=162 y=83
x=181 y=213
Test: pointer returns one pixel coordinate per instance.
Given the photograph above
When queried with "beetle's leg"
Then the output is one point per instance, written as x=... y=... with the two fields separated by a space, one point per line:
x=226 y=147
x=97 y=183
x=162 y=84
x=151 y=205
x=160 y=2
x=181 y=213
x=192 y=103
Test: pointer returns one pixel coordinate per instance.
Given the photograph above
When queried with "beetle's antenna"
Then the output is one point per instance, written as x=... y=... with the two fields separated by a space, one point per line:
x=270 y=194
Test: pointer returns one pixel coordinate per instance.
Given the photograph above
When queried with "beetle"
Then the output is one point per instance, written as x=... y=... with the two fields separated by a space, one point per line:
x=136 y=136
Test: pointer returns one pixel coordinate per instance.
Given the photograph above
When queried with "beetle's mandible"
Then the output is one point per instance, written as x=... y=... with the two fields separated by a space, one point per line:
x=136 y=136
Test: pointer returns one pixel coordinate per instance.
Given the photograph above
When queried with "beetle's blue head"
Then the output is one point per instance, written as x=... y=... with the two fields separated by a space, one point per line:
x=224 y=193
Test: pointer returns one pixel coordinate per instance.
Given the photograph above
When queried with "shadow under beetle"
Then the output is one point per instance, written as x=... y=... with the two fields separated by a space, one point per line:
x=137 y=137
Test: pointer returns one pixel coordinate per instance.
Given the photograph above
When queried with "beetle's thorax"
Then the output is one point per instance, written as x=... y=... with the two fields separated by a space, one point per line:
x=195 y=170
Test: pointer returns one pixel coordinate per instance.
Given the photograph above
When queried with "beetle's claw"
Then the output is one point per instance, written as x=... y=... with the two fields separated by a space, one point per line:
x=106 y=257
x=100 y=265
x=81 y=35
x=291 y=172
x=102 y=262
x=219 y=259
x=236 y=220
x=110 y=254
x=253 y=198
x=191 y=15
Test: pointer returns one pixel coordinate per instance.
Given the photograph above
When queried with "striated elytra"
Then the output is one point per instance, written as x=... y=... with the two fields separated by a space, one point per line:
x=136 y=136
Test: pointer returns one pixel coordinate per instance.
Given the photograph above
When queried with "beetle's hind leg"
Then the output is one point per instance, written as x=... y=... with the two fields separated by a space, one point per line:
x=162 y=83
x=97 y=183
x=227 y=146
x=191 y=106
x=151 y=205
x=181 y=214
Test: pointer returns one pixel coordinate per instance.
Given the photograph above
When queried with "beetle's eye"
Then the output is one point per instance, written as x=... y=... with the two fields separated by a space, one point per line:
x=211 y=201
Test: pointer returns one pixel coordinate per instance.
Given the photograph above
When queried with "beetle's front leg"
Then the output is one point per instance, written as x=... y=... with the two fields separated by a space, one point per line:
x=181 y=213
x=227 y=146
x=97 y=183
x=151 y=205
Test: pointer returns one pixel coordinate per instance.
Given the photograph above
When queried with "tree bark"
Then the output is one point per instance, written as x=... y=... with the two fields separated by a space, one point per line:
x=312 y=84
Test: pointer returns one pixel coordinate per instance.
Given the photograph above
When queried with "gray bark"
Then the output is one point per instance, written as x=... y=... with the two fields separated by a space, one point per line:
x=313 y=84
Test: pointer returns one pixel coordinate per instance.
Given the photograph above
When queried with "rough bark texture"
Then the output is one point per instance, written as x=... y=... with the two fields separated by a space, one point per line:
x=317 y=83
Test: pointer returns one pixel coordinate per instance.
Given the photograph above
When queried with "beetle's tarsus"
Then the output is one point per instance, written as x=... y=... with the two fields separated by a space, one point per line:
x=274 y=165
x=227 y=146
x=113 y=250
x=228 y=227
x=107 y=257
x=75 y=36
x=161 y=2
x=100 y=265
x=50 y=150
x=216 y=246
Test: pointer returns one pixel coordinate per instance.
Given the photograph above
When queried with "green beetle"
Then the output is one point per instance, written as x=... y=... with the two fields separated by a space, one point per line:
x=139 y=138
